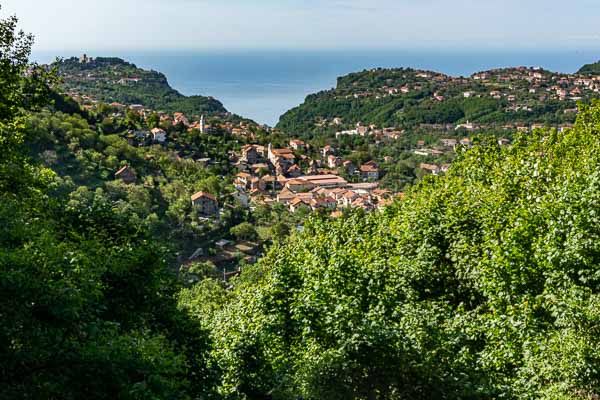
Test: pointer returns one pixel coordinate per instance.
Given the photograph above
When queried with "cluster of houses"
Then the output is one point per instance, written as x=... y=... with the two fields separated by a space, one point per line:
x=506 y=83
x=160 y=135
x=373 y=131
x=274 y=175
x=522 y=89
x=445 y=144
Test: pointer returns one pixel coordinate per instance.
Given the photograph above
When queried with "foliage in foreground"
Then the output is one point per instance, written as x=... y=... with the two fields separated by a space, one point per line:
x=483 y=284
x=86 y=301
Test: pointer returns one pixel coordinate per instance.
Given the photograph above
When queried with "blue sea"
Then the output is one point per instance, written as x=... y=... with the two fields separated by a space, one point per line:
x=263 y=84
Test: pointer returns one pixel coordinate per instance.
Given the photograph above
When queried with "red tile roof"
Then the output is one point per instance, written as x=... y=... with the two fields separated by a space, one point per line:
x=203 y=195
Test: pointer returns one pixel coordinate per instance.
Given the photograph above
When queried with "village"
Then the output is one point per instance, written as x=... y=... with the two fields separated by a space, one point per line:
x=288 y=176
x=305 y=176
x=515 y=84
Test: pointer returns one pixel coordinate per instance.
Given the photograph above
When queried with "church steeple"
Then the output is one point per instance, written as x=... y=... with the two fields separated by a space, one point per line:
x=202 y=124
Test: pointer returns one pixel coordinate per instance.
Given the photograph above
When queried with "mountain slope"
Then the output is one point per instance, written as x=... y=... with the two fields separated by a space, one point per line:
x=115 y=80
x=590 y=69
x=407 y=98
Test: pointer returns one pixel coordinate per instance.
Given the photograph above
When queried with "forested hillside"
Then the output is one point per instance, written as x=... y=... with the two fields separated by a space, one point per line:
x=482 y=283
x=407 y=98
x=115 y=80
x=590 y=69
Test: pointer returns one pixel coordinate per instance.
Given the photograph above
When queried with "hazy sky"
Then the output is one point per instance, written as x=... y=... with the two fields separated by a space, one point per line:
x=203 y=24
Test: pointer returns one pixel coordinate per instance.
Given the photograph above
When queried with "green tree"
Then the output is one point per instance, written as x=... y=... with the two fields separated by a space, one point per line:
x=87 y=303
x=480 y=284
x=244 y=231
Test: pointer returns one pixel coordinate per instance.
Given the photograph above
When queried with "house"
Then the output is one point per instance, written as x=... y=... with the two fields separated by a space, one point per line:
x=159 y=135
x=269 y=181
x=434 y=169
x=136 y=108
x=351 y=132
x=333 y=161
x=126 y=174
x=281 y=167
x=297 y=144
x=280 y=156
x=338 y=194
x=205 y=203
x=257 y=183
x=369 y=170
x=364 y=186
x=285 y=196
x=468 y=126
x=294 y=171
x=503 y=141
x=280 y=181
x=449 y=142
x=261 y=150
x=242 y=179
x=362 y=202
x=323 y=202
x=298 y=203
x=299 y=185
x=465 y=142
x=349 y=197
x=257 y=192
x=180 y=118
x=249 y=154
x=362 y=130
x=327 y=150
x=381 y=194
x=325 y=181
x=349 y=167
x=260 y=168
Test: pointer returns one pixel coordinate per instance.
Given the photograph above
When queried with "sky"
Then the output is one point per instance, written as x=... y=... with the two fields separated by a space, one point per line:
x=94 y=25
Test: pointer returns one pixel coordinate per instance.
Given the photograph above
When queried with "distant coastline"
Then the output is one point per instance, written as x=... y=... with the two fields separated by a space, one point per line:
x=264 y=84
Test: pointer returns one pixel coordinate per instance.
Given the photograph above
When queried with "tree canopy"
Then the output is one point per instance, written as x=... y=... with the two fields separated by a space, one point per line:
x=481 y=284
x=87 y=304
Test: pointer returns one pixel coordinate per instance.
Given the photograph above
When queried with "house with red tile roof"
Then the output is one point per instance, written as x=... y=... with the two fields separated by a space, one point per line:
x=205 y=203
x=297 y=144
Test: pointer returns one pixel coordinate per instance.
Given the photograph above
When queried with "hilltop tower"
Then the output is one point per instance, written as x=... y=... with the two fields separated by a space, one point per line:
x=202 y=124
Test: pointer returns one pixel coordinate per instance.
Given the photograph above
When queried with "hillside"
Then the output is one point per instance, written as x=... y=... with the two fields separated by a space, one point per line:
x=408 y=98
x=590 y=69
x=111 y=80
x=481 y=284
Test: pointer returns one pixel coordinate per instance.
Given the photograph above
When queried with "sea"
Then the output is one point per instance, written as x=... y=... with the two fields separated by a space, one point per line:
x=264 y=84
